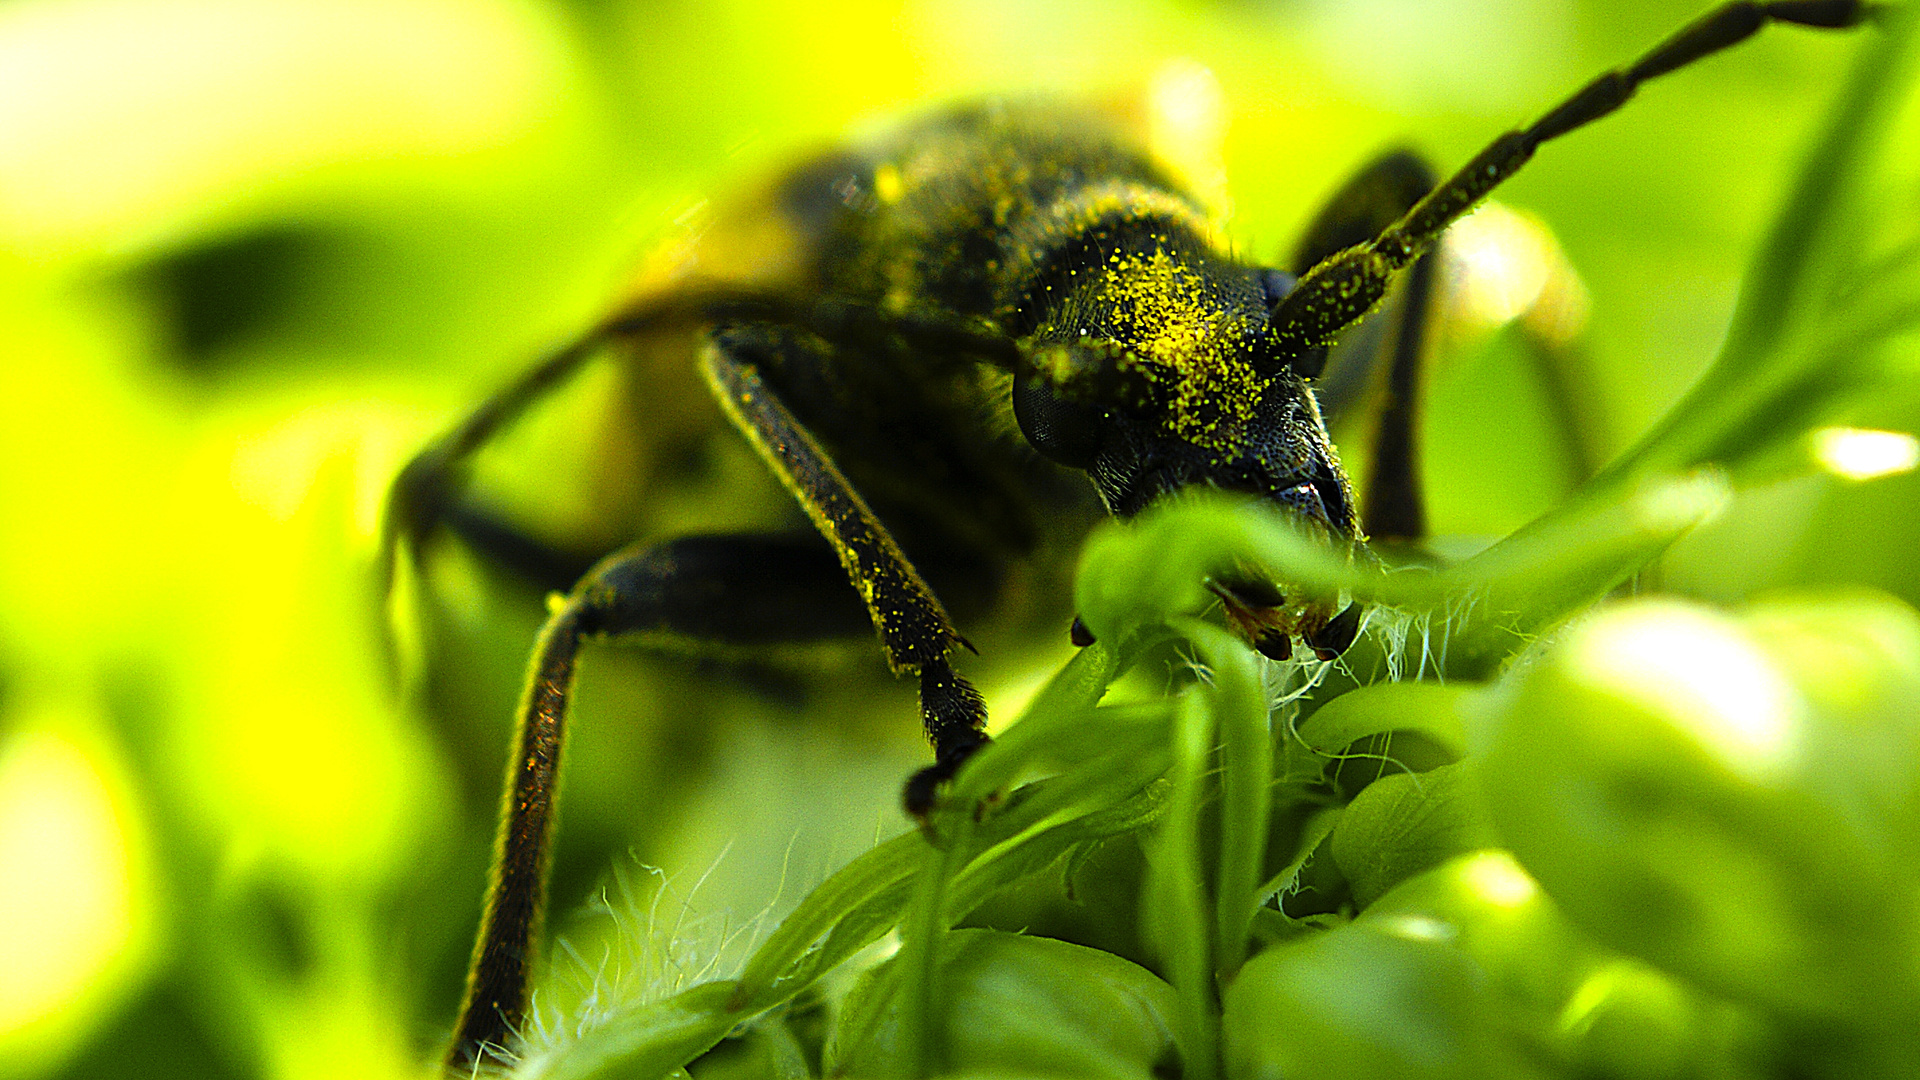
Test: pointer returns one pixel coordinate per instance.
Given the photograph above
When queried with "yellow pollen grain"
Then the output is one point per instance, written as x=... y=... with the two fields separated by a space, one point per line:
x=1159 y=309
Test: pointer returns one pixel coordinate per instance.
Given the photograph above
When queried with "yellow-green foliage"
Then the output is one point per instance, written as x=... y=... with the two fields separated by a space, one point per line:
x=251 y=255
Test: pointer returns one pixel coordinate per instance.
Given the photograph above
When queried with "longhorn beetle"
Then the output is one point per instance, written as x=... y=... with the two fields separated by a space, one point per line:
x=993 y=258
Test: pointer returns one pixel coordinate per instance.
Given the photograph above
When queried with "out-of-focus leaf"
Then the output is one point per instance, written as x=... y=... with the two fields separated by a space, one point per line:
x=1385 y=998
x=1569 y=1001
x=1820 y=303
x=1694 y=793
x=79 y=897
x=1406 y=823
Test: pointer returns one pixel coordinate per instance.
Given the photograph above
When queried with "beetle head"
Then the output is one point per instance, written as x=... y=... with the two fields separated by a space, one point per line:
x=1158 y=377
x=1163 y=379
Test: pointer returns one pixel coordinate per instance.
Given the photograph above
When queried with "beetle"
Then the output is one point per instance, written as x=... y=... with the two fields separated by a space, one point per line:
x=1013 y=260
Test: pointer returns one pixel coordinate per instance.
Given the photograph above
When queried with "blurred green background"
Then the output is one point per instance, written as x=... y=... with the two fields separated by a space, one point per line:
x=252 y=254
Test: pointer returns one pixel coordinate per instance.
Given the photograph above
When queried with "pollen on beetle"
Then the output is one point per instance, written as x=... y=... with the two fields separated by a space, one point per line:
x=1158 y=304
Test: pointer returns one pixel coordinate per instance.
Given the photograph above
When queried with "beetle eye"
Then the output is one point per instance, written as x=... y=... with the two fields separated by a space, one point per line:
x=1064 y=431
x=1275 y=285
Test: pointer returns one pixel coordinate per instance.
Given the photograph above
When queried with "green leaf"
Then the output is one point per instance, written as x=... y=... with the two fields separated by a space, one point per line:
x=1175 y=908
x=1432 y=709
x=1361 y=1002
x=1820 y=302
x=843 y=915
x=645 y=1040
x=1572 y=1003
x=1406 y=823
x=1016 y=1004
x=1475 y=614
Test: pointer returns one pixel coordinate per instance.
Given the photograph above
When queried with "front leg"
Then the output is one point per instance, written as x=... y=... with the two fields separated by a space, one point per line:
x=738 y=590
x=914 y=629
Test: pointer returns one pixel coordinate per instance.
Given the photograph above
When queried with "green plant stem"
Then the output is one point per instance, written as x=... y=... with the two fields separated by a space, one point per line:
x=922 y=1018
x=1179 y=894
x=1246 y=781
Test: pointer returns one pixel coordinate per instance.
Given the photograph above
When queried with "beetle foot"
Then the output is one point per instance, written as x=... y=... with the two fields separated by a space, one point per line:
x=922 y=792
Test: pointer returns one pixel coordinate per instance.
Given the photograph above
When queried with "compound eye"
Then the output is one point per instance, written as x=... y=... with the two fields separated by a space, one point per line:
x=1275 y=285
x=1064 y=431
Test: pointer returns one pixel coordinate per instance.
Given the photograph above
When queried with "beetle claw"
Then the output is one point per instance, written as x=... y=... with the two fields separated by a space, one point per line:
x=1334 y=638
x=1275 y=645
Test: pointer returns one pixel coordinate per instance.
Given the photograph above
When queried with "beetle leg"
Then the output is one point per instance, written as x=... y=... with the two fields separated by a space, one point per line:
x=1393 y=504
x=1373 y=198
x=427 y=492
x=713 y=589
x=914 y=629
x=1334 y=637
x=546 y=567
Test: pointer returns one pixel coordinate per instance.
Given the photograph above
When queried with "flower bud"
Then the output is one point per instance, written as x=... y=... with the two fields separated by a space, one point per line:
x=1384 y=997
x=1735 y=801
x=1589 y=1011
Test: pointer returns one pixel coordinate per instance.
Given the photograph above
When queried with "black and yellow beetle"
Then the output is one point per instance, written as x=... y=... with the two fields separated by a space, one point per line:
x=916 y=335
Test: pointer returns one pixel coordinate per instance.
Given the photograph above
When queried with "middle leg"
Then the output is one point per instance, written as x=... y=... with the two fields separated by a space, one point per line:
x=740 y=590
